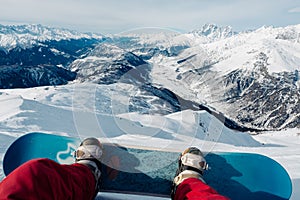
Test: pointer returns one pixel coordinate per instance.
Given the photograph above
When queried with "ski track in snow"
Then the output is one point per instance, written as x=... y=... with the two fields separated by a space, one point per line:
x=59 y=110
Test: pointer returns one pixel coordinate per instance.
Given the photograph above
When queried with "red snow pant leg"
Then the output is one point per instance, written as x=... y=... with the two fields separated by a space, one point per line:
x=45 y=179
x=194 y=189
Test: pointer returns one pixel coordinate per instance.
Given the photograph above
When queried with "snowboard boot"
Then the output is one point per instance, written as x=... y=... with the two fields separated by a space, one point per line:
x=89 y=153
x=191 y=164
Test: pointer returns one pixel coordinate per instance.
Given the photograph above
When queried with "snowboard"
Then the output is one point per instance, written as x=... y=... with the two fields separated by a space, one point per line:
x=150 y=172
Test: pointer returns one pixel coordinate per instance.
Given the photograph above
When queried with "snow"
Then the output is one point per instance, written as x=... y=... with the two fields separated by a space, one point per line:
x=9 y=105
x=26 y=36
x=240 y=51
x=102 y=111
x=87 y=110
x=236 y=51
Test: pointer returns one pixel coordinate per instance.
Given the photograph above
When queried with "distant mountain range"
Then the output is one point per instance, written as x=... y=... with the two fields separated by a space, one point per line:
x=35 y=55
x=27 y=36
x=249 y=79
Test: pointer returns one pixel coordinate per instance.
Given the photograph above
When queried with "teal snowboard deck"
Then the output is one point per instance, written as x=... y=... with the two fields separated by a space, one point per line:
x=150 y=172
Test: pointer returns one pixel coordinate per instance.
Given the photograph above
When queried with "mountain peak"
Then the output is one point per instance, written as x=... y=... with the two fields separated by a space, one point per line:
x=214 y=32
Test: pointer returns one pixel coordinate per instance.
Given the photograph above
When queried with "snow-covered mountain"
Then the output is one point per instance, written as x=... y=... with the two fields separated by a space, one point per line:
x=108 y=63
x=167 y=91
x=85 y=110
x=212 y=32
x=27 y=36
x=34 y=55
x=251 y=77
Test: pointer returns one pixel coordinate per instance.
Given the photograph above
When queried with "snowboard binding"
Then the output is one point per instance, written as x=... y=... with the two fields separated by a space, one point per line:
x=89 y=153
x=191 y=164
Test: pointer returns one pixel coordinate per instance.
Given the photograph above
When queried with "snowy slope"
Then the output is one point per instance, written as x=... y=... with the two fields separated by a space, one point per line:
x=252 y=77
x=227 y=51
x=281 y=46
x=75 y=109
x=238 y=74
x=241 y=51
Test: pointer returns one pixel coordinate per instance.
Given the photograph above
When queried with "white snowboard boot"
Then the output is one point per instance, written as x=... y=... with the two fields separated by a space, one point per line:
x=191 y=164
x=89 y=153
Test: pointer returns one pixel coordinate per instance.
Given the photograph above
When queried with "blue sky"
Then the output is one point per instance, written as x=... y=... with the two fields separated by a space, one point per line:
x=113 y=16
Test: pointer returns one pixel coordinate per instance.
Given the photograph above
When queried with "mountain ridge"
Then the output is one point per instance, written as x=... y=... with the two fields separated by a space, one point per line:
x=251 y=77
x=28 y=35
